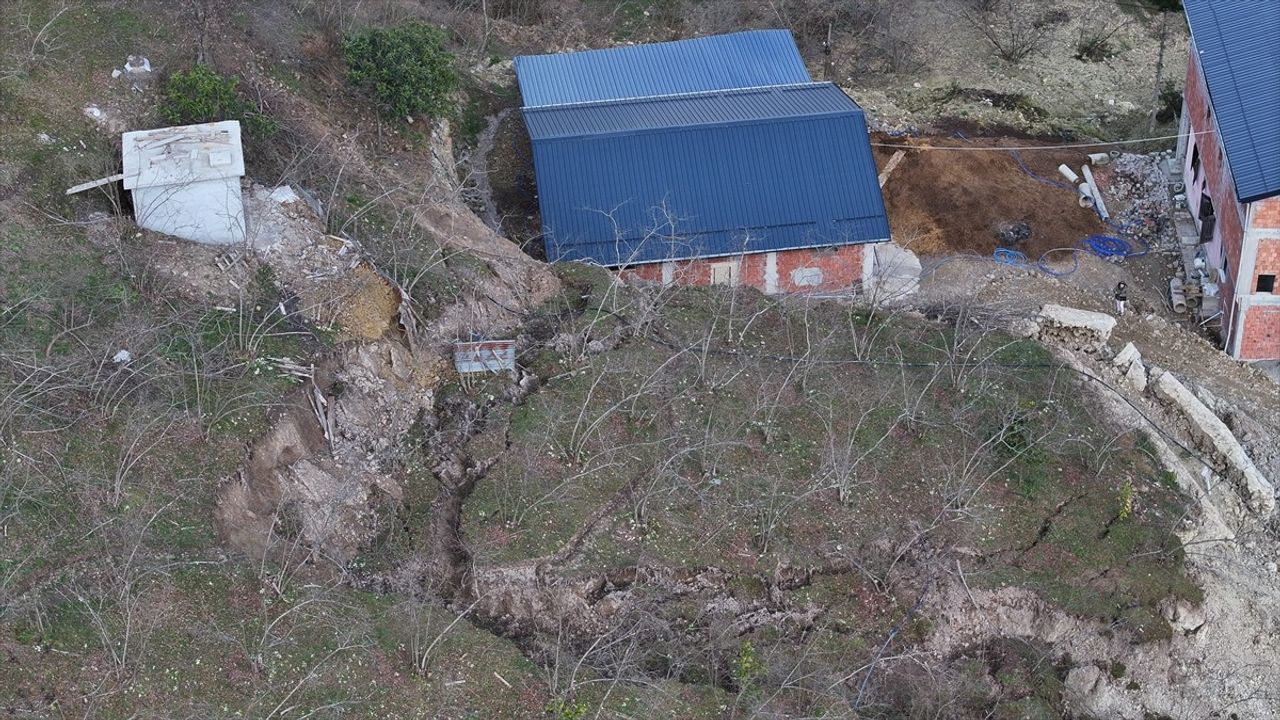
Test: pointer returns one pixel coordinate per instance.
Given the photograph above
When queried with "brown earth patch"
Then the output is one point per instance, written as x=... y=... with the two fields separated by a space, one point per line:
x=953 y=201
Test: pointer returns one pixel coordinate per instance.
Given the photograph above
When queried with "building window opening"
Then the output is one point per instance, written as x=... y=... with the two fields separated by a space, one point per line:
x=1266 y=283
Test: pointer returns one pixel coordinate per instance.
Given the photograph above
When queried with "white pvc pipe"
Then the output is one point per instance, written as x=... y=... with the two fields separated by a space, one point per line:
x=1099 y=158
x=1176 y=297
x=1068 y=173
x=1096 y=192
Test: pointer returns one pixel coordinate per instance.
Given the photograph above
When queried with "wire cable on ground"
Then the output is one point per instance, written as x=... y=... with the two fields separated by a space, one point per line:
x=1059 y=146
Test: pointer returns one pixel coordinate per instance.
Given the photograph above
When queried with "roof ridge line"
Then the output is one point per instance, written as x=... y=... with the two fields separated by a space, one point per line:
x=622 y=47
x=663 y=96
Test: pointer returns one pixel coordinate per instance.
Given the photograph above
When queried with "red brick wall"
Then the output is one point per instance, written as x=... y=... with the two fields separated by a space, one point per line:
x=841 y=268
x=1268 y=262
x=1266 y=213
x=1215 y=180
x=1261 y=339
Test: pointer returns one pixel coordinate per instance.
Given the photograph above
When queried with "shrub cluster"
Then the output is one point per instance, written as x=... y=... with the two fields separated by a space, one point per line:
x=406 y=69
x=202 y=95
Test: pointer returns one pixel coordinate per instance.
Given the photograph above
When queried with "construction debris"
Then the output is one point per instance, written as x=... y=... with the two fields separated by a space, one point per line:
x=1129 y=362
x=94 y=183
x=889 y=166
x=484 y=356
x=1013 y=234
x=1138 y=184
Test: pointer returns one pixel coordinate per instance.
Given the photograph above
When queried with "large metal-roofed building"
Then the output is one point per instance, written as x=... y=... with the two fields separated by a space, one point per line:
x=1230 y=149
x=712 y=160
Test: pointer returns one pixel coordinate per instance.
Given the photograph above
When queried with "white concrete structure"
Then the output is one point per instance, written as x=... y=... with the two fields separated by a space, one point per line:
x=186 y=181
x=1214 y=435
x=1077 y=329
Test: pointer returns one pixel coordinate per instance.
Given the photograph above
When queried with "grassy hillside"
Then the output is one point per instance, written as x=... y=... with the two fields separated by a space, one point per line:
x=704 y=503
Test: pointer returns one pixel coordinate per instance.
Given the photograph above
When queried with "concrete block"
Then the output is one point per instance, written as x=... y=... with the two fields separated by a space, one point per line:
x=1136 y=377
x=1217 y=437
x=1075 y=328
x=1127 y=355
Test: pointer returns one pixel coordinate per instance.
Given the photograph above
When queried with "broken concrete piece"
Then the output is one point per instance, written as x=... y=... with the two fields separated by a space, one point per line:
x=1129 y=361
x=1184 y=616
x=1136 y=377
x=1025 y=327
x=185 y=181
x=1077 y=329
x=1216 y=437
x=1127 y=355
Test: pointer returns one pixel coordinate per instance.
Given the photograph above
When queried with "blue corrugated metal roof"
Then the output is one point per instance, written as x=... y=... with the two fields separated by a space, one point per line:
x=739 y=60
x=673 y=111
x=710 y=189
x=1239 y=46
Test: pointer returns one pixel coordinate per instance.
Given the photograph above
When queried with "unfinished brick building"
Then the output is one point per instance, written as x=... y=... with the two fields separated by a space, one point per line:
x=1230 y=149
x=715 y=160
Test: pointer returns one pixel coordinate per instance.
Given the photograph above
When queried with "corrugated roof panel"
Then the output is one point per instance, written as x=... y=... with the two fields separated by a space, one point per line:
x=1239 y=47
x=738 y=60
x=710 y=189
x=714 y=108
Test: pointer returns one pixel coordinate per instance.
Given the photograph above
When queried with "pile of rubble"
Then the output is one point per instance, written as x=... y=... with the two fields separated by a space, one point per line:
x=1088 y=332
x=1138 y=183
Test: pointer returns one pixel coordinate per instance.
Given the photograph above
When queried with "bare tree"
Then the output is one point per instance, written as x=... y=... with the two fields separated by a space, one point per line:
x=35 y=38
x=1015 y=29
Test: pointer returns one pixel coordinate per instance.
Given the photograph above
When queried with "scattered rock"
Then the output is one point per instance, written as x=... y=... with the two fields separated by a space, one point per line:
x=1183 y=616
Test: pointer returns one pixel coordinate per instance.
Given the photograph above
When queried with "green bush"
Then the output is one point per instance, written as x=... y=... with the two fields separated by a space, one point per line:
x=406 y=69
x=202 y=95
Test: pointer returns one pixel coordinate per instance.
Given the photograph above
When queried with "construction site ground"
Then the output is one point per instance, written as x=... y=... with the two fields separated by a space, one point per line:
x=955 y=201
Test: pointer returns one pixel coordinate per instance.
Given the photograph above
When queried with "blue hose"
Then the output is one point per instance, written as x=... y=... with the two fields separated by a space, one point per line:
x=1106 y=246
x=1018 y=259
x=1109 y=246
x=1038 y=178
x=1009 y=256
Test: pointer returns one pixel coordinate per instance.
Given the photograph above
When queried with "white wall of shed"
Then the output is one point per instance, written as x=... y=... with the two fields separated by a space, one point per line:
x=209 y=212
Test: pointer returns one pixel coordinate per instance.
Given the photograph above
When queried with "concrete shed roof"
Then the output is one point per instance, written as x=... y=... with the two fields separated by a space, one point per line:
x=182 y=155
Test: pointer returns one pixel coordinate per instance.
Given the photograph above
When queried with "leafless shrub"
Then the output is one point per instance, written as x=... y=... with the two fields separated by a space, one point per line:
x=1097 y=28
x=36 y=36
x=1015 y=29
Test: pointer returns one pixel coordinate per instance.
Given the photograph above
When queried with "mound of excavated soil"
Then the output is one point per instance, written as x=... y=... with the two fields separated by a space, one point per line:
x=944 y=201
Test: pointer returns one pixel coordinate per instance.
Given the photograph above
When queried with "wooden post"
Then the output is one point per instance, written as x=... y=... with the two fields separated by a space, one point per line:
x=827 y=67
